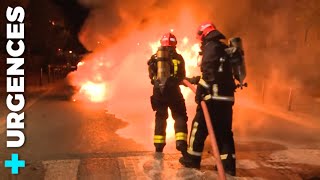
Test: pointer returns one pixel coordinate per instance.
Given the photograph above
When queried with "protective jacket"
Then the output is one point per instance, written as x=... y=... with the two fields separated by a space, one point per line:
x=216 y=67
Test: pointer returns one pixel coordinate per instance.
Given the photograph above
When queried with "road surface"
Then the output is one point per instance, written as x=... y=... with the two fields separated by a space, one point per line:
x=69 y=139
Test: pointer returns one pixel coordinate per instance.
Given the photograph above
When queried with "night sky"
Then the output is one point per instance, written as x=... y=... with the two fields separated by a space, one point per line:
x=41 y=33
x=74 y=13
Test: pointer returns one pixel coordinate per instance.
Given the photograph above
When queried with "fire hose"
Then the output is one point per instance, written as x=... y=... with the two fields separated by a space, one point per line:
x=216 y=153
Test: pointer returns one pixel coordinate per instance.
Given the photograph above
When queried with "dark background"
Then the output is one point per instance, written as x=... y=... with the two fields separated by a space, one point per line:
x=51 y=28
x=281 y=35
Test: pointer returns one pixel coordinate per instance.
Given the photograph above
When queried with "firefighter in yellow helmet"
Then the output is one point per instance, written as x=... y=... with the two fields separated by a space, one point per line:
x=166 y=71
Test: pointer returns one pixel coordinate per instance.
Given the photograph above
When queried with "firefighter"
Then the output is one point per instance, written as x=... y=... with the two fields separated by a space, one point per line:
x=217 y=88
x=166 y=71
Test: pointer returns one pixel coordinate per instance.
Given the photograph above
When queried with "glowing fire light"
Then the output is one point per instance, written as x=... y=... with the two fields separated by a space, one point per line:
x=117 y=73
x=80 y=64
x=96 y=92
x=120 y=78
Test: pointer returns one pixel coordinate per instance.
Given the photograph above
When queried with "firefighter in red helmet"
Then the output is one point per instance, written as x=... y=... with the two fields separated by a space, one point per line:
x=166 y=71
x=216 y=87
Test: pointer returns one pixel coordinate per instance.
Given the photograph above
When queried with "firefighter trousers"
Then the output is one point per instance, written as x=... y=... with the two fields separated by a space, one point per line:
x=221 y=117
x=175 y=101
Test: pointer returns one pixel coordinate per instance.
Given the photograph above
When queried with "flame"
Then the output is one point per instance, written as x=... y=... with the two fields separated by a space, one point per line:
x=96 y=92
x=80 y=63
x=117 y=73
x=96 y=89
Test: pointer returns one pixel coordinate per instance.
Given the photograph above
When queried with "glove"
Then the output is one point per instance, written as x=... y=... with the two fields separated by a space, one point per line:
x=193 y=80
x=200 y=94
x=156 y=83
x=153 y=79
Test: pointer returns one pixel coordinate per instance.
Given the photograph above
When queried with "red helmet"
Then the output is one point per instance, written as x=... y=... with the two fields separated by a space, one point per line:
x=168 y=39
x=204 y=29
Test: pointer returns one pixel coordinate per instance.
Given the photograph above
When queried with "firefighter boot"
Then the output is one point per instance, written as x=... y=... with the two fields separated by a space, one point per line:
x=159 y=147
x=190 y=161
x=182 y=146
x=229 y=165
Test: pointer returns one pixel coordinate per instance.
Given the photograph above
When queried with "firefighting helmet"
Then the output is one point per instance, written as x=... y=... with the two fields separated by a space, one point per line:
x=204 y=29
x=168 y=39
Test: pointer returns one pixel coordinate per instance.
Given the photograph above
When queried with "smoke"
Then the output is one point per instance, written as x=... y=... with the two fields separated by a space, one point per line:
x=120 y=34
